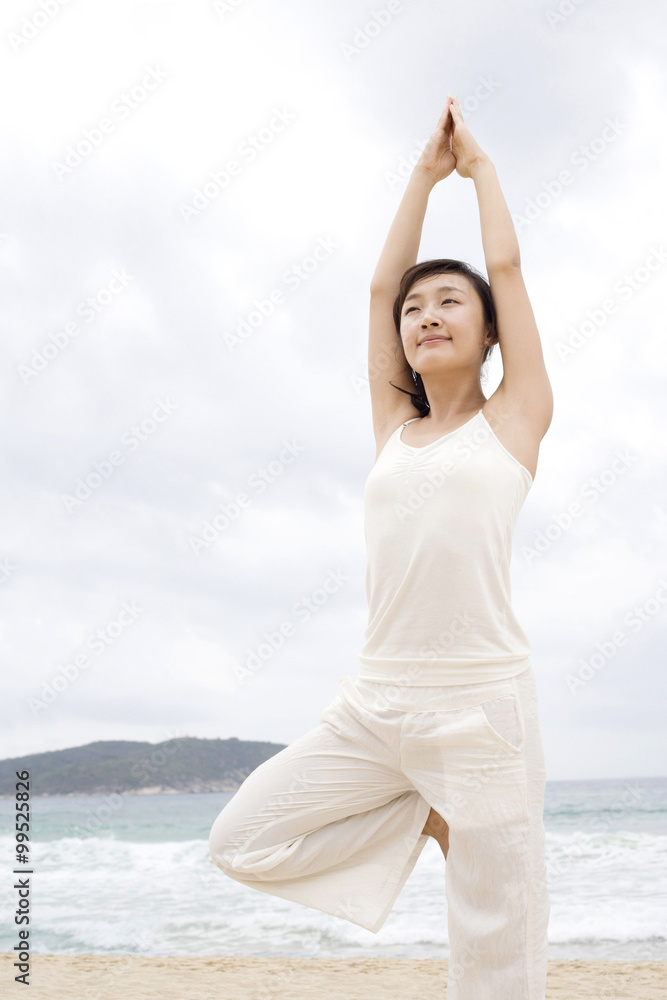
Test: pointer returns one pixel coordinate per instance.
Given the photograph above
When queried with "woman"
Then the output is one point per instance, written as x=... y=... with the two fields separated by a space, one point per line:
x=439 y=734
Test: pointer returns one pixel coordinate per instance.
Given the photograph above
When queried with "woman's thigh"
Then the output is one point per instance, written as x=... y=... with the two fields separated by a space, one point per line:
x=474 y=752
x=337 y=769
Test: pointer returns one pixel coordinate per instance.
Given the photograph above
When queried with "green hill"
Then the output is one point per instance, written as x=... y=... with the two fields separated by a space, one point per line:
x=184 y=764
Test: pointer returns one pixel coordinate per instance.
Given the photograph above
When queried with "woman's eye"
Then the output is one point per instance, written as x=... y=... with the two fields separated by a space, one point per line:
x=415 y=307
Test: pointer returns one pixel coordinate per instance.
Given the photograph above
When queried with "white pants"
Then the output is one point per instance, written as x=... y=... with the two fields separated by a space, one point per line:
x=334 y=821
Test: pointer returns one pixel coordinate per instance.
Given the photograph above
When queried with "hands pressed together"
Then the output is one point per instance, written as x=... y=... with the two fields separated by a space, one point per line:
x=451 y=146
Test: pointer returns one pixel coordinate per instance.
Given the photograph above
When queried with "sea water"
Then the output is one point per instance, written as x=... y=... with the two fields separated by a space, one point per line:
x=132 y=874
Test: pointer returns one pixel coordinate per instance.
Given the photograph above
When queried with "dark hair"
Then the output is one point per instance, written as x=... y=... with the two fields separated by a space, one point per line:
x=425 y=270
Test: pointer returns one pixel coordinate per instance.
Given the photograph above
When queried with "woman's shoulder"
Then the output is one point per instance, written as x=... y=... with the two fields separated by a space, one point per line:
x=516 y=428
x=400 y=415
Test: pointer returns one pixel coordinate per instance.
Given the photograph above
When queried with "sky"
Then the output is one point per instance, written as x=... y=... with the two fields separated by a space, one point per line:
x=193 y=201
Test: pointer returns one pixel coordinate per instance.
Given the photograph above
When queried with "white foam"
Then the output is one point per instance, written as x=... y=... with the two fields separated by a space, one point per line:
x=107 y=895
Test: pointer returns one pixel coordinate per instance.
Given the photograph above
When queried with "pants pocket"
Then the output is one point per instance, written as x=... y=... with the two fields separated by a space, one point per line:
x=503 y=717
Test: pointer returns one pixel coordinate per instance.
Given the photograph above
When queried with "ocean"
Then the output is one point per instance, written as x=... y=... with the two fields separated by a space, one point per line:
x=132 y=875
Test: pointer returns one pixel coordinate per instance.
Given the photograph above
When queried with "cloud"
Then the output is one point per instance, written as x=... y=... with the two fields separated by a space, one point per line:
x=303 y=220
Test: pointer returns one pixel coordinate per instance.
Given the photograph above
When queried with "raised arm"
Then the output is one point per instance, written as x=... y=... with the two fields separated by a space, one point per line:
x=402 y=243
x=525 y=381
x=386 y=361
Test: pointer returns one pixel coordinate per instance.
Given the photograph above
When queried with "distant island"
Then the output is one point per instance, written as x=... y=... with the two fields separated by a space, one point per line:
x=183 y=764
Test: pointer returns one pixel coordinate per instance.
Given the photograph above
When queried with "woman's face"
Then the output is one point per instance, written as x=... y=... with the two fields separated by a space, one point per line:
x=447 y=309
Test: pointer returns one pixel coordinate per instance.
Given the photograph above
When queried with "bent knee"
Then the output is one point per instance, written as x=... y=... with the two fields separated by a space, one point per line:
x=224 y=840
x=226 y=856
x=229 y=843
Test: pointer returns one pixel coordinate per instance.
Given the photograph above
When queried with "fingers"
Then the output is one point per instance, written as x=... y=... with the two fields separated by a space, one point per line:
x=445 y=124
x=448 y=104
x=442 y=120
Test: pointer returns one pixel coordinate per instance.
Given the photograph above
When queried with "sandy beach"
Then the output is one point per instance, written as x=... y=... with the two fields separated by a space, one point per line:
x=103 y=977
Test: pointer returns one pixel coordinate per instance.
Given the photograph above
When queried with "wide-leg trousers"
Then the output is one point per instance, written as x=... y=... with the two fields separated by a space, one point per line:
x=334 y=821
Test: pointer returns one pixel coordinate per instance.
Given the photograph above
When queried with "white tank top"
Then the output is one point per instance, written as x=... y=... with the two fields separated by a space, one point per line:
x=439 y=522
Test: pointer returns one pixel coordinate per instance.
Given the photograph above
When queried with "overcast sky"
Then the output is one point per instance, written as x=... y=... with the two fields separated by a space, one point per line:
x=180 y=349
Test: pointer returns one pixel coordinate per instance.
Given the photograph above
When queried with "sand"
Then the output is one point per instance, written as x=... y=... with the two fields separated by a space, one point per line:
x=116 y=977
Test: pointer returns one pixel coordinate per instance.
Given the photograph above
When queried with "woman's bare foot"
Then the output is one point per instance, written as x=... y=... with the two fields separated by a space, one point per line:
x=437 y=828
